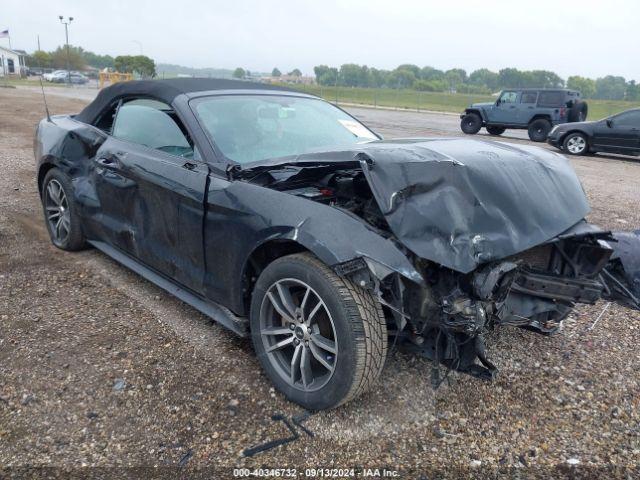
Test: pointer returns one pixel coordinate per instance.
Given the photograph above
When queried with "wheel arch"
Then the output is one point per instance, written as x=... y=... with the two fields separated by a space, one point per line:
x=540 y=116
x=43 y=169
x=478 y=112
x=260 y=257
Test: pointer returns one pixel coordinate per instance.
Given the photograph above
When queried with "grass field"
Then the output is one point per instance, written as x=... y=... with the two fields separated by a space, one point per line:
x=440 y=102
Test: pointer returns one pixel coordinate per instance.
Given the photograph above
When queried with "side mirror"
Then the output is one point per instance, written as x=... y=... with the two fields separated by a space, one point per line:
x=609 y=123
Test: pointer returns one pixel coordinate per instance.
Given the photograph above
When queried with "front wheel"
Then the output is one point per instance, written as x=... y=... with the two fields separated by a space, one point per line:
x=471 y=123
x=575 y=144
x=539 y=130
x=320 y=339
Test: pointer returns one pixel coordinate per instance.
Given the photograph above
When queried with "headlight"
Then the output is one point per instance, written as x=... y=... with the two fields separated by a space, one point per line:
x=553 y=130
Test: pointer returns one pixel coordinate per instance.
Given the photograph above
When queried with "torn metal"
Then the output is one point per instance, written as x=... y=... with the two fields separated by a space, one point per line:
x=622 y=275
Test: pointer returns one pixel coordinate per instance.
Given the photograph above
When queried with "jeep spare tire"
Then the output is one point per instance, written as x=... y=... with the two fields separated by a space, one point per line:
x=471 y=123
x=539 y=130
x=494 y=130
x=578 y=112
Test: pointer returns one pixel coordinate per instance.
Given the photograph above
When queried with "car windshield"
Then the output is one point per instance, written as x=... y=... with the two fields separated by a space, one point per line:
x=248 y=128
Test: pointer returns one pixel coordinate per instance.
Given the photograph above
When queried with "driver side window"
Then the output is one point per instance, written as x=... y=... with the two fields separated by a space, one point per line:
x=153 y=124
x=628 y=119
x=509 y=97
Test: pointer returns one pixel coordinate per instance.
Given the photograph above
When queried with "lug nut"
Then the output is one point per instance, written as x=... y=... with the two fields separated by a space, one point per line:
x=292 y=326
x=296 y=342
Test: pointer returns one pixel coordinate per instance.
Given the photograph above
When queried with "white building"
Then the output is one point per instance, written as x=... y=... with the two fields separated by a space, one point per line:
x=12 y=62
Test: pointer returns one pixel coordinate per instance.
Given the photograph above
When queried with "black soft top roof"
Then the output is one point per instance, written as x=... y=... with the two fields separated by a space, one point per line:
x=164 y=90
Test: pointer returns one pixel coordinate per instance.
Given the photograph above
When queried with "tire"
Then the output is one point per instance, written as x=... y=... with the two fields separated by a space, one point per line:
x=350 y=320
x=576 y=144
x=471 y=123
x=578 y=112
x=63 y=224
x=495 y=130
x=539 y=130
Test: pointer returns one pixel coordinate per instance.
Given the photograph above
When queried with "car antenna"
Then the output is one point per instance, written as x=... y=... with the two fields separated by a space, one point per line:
x=46 y=107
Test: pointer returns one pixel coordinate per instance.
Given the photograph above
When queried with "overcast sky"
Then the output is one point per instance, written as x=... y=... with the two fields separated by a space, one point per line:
x=589 y=38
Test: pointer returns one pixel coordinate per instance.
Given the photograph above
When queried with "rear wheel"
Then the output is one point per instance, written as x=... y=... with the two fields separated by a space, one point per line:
x=321 y=339
x=539 y=130
x=575 y=144
x=495 y=130
x=60 y=211
x=471 y=123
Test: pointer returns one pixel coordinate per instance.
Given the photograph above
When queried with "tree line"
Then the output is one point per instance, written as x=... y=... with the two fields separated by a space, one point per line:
x=80 y=58
x=481 y=81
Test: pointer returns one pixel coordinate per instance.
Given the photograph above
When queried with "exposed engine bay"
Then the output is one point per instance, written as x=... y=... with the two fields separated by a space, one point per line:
x=446 y=318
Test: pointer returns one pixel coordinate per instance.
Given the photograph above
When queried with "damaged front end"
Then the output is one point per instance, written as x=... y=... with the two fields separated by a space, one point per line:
x=497 y=234
x=535 y=290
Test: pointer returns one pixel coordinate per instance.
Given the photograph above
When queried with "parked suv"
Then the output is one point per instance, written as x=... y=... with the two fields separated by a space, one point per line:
x=537 y=110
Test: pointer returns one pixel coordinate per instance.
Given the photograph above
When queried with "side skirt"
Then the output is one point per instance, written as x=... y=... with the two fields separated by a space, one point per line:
x=215 y=311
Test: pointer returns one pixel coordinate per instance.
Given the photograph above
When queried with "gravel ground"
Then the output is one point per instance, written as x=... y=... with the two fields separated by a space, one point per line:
x=99 y=368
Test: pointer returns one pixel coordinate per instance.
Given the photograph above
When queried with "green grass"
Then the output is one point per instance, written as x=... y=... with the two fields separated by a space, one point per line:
x=439 y=102
x=32 y=82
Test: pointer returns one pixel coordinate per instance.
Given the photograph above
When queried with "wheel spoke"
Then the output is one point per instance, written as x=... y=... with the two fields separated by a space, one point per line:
x=324 y=343
x=305 y=368
x=279 y=308
x=53 y=193
x=281 y=344
x=54 y=213
x=276 y=331
x=287 y=301
x=303 y=304
x=295 y=363
x=63 y=198
x=319 y=356
x=58 y=224
x=315 y=310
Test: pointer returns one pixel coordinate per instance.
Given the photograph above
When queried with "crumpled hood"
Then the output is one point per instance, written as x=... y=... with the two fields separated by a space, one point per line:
x=461 y=202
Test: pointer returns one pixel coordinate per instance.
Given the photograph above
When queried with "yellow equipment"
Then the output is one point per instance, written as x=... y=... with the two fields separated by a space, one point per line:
x=114 y=77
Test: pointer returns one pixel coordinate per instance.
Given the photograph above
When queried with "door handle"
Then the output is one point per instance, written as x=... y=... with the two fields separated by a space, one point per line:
x=107 y=161
x=190 y=165
x=110 y=159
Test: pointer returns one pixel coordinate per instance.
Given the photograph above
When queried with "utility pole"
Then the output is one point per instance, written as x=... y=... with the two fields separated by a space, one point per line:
x=66 y=36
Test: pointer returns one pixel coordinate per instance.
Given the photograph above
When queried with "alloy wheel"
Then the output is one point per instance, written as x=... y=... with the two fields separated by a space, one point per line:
x=298 y=334
x=57 y=211
x=576 y=144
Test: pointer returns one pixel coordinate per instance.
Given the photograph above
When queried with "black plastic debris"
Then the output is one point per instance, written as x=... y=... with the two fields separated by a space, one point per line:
x=289 y=423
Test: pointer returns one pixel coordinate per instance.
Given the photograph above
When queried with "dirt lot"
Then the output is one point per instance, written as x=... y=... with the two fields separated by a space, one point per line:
x=100 y=368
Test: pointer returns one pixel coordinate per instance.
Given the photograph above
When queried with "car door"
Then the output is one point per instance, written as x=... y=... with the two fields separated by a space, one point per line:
x=527 y=106
x=620 y=133
x=150 y=183
x=505 y=111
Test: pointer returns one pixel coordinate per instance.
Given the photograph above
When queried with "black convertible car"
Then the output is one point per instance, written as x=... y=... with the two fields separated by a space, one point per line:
x=284 y=218
x=616 y=134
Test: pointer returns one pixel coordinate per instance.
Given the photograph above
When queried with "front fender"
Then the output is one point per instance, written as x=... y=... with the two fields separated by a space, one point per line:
x=247 y=216
x=479 y=111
